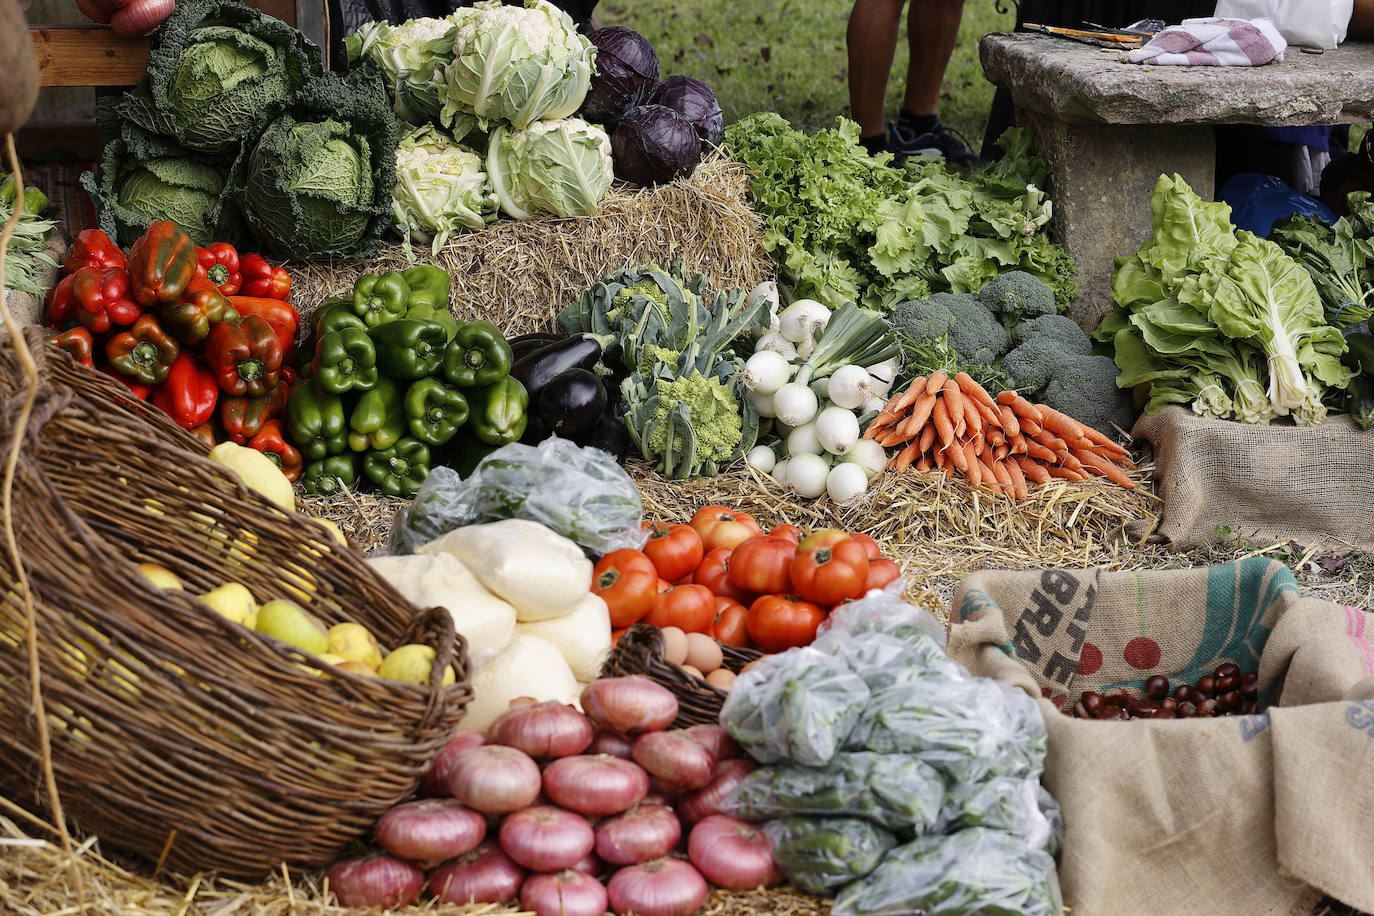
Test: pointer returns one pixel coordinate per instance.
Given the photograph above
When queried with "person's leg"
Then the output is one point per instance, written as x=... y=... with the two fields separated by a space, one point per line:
x=872 y=40
x=931 y=31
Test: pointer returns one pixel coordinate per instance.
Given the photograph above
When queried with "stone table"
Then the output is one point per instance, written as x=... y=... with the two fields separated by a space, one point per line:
x=1109 y=128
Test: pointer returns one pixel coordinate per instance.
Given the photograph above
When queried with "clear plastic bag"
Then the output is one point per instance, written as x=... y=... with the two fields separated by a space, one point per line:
x=1021 y=807
x=975 y=871
x=886 y=661
x=969 y=730
x=818 y=854
x=580 y=493
x=797 y=706
x=884 y=612
x=894 y=791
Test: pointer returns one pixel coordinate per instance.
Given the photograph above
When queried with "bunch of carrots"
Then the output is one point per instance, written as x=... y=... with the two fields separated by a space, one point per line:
x=1004 y=443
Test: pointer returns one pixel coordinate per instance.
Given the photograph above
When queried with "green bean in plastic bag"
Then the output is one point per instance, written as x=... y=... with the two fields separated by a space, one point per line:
x=1021 y=807
x=820 y=853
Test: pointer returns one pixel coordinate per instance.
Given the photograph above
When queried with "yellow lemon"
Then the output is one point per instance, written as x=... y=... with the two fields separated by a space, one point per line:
x=289 y=622
x=412 y=664
x=355 y=644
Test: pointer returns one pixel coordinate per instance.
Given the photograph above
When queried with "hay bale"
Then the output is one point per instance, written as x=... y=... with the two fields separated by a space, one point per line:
x=518 y=274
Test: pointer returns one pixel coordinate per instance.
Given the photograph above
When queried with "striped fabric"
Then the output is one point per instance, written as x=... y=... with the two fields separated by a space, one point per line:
x=1213 y=43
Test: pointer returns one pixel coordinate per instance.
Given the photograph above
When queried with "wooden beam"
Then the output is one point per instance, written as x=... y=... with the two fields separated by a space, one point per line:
x=88 y=55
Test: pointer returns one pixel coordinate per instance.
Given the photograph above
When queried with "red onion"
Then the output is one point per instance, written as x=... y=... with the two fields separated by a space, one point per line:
x=656 y=797
x=717 y=740
x=543 y=730
x=694 y=806
x=613 y=744
x=629 y=705
x=375 y=881
x=485 y=875
x=663 y=887
x=568 y=893
x=640 y=834
x=675 y=758
x=494 y=780
x=141 y=17
x=544 y=838
x=592 y=865
x=430 y=830
x=595 y=786
x=435 y=782
x=732 y=853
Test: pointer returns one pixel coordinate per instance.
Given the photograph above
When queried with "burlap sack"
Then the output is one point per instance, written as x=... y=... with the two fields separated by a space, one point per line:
x=1259 y=814
x=1263 y=483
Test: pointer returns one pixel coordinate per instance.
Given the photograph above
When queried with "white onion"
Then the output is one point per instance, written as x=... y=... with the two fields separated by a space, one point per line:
x=494 y=779
x=803 y=441
x=768 y=292
x=874 y=403
x=806 y=474
x=766 y=371
x=694 y=806
x=802 y=319
x=732 y=854
x=885 y=371
x=846 y=482
x=544 y=838
x=597 y=785
x=761 y=458
x=644 y=832
x=763 y=403
x=485 y=875
x=543 y=730
x=435 y=782
x=778 y=344
x=717 y=740
x=795 y=404
x=868 y=455
x=678 y=761
x=780 y=471
x=430 y=830
x=663 y=887
x=849 y=386
x=375 y=881
x=629 y=705
x=837 y=429
x=568 y=893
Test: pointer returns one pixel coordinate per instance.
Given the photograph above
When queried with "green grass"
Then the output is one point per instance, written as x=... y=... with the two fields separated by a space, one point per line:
x=788 y=56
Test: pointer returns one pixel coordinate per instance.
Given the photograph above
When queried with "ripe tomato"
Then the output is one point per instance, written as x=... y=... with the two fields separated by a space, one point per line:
x=790 y=532
x=721 y=527
x=870 y=545
x=714 y=573
x=626 y=581
x=664 y=585
x=830 y=566
x=616 y=634
x=732 y=623
x=778 y=622
x=881 y=574
x=675 y=549
x=761 y=564
x=691 y=608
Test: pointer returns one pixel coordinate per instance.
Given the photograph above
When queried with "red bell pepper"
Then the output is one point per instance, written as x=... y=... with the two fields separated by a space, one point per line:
x=102 y=298
x=61 y=305
x=137 y=389
x=246 y=356
x=161 y=263
x=271 y=441
x=79 y=343
x=205 y=432
x=93 y=248
x=189 y=395
x=219 y=263
x=199 y=307
x=262 y=280
x=276 y=312
x=244 y=417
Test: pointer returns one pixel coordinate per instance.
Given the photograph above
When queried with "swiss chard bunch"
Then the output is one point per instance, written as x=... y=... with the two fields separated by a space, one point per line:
x=1339 y=258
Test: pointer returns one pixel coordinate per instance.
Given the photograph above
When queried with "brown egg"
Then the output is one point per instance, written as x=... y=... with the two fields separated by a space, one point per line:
x=694 y=672
x=703 y=652
x=721 y=679
x=674 y=645
x=752 y=665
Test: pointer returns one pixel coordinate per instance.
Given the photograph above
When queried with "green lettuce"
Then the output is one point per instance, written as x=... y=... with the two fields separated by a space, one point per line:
x=440 y=188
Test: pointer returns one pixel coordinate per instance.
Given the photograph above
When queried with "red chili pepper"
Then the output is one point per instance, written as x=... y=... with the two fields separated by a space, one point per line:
x=93 y=248
x=189 y=395
x=103 y=299
x=262 y=280
x=219 y=263
x=271 y=441
x=246 y=356
x=79 y=343
x=61 y=305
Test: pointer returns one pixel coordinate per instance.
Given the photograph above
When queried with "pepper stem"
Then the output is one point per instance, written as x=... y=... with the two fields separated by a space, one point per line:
x=144 y=353
x=400 y=467
x=474 y=358
x=250 y=369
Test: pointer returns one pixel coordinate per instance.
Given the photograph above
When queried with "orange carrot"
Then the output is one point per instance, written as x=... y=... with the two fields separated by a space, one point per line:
x=974 y=390
x=940 y=459
x=1065 y=427
x=905 y=457
x=1095 y=462
x=974 y=465
x=1006 y=397
x=1122 y=460
x=955 y=401
x=972 y=418
x=1009 y=422
x=891 y=438
x=1018 y=480
x=999 y=470
x=898 y=405
x=910 y=428
x=943 y=426
x=1034 y=470
x=1025 y=409
x=1017 y=444
x=936 y=381
x=1066 y=459
x=1040 y=452
x=924 y=464
x=958 y=457
x=1101 y=440
x=989 y=414
x=1001 y=452
x=920 y=413
x=996 y=438
x=1030 y=427
x=1051 y=441
x=927 y=437
x=1063 y=473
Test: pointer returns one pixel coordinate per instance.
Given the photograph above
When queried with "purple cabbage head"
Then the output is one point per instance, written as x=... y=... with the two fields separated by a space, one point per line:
x=626 y=71
x=654 y=145
x=695 y=101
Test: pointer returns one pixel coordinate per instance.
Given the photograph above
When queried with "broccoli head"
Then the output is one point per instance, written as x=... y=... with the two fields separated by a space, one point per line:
x=1084 y=387
x=922 y=320
x=975 y=333
x=1059 y=328
x=1017 y=295
x=1032 y=364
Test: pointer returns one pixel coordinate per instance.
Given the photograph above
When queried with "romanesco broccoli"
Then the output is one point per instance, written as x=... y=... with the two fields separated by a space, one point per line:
x=1017 y=295
x=646 y=288
x=653 y=354
x=715 y=412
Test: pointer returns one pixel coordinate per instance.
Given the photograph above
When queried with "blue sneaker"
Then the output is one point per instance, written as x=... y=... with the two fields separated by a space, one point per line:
x=941 y=141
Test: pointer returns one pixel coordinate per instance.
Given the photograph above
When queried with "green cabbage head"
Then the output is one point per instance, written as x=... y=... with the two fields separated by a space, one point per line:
x=559 y=167
x=413 y=56
x=516 y=64
x=441 y=188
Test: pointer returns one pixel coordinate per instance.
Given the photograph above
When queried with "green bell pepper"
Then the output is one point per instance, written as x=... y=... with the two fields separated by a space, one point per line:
x=429 y=286
x=434 y=411
x=478 y=355
x=409 y=348
x=378 y=419
x=336 y=315
x=35 y=201
x=322 y=478
x=400 y=469
x=440 y=316
x=377 y=300
x=500 y=411
x=345 y=360
x=316 y=420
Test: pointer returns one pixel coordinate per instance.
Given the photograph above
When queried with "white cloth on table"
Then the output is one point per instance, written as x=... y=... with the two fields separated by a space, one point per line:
x=1213 y=42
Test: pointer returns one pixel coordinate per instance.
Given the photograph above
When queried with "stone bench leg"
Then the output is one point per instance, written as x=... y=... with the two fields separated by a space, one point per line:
x=1103 y=176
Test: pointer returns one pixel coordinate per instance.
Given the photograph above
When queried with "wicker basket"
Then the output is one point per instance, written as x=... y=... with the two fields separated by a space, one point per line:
x=640 y=651
x=173 y=728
